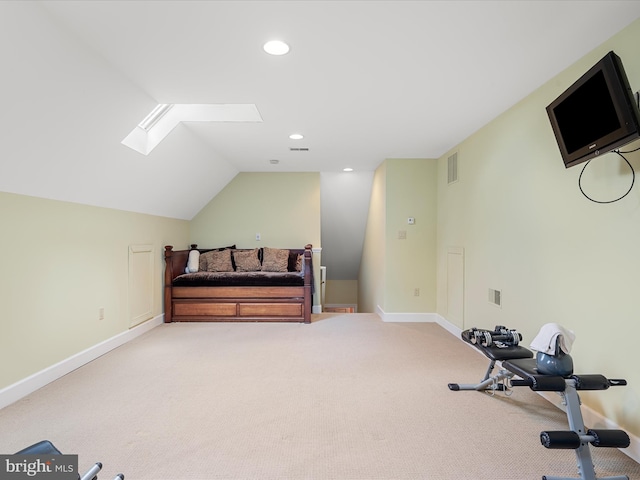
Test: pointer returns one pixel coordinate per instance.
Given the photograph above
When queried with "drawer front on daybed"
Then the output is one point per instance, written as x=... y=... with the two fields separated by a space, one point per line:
x=191 y=309
x=270 y=309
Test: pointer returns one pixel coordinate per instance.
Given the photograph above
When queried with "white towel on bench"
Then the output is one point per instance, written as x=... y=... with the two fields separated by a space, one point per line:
x=550 y=335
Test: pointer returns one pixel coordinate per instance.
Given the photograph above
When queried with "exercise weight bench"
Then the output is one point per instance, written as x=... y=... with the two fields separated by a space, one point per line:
x=519 y=368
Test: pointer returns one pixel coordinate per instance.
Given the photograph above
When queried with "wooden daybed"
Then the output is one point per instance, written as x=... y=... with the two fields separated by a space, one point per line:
x=238 y=296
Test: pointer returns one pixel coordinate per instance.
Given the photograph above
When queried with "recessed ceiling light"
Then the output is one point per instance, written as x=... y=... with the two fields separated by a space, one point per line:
x=347 y=169
x=296 y=136
x=276 y=47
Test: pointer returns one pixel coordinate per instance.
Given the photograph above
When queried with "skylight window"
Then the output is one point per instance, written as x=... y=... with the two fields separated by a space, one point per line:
x=165 y=117
x=155 y=115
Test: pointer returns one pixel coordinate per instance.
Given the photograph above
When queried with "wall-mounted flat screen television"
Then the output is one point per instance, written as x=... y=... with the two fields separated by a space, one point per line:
x=595 y=115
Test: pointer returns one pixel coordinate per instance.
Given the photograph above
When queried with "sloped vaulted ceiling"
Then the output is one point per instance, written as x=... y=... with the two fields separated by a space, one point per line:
x=65 y=112
x=364 y=81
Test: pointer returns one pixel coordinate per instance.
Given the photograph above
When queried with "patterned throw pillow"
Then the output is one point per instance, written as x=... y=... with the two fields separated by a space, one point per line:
x=275 y=260
x=299 y=261
x=217 y=261
x=203 y=261
x=246 y=260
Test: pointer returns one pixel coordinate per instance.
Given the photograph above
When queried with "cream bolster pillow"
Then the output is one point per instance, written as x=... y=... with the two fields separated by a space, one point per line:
x=193 y=263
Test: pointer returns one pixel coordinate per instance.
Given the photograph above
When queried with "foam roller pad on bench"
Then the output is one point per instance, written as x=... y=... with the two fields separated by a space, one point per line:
x=609 y=438
x=542 y=383
x=591 y=382
x=560 y=439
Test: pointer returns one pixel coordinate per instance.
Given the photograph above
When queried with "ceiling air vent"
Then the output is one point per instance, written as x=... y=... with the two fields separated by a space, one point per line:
x=299 y=149
x=452 y=169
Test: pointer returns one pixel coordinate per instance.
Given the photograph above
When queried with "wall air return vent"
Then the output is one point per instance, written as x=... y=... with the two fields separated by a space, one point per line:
x=452 y=169
x=299 y=149
x=495 y=297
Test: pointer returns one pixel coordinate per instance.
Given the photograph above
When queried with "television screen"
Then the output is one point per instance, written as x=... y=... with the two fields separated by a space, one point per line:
x=595 y=115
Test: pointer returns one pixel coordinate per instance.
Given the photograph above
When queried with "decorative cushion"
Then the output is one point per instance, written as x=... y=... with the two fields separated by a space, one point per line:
x=193 y=263
x=217 y=261
x=275 y=260
x=299 y=261
x=203 y=260
x=246 y=260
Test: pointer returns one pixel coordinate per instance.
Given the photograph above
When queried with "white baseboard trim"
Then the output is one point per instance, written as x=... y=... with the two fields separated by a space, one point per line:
x=406 y=317
x=316 y=309
x=30 y=384
x=419 y=317
x=591 y=418
x=447 y=325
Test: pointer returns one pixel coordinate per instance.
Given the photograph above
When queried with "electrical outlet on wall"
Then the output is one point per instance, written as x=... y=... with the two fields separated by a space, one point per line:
x=101 y=313
x=258 y=237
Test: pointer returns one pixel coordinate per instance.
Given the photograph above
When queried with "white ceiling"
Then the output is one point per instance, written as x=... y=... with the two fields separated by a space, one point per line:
x=364 y=80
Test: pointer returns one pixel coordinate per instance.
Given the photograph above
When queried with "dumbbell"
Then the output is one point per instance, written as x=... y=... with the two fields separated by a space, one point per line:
x=486 y=338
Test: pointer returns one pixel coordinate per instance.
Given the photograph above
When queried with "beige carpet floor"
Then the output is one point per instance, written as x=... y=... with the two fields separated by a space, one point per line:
x=346 y=397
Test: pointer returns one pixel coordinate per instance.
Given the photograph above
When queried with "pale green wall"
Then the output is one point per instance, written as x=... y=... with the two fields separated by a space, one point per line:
x=411 y=263
x=527 y=230
x=371 y=277
x=393 y=268
x=341 y=292
x=61 y=263
x=283 y=207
